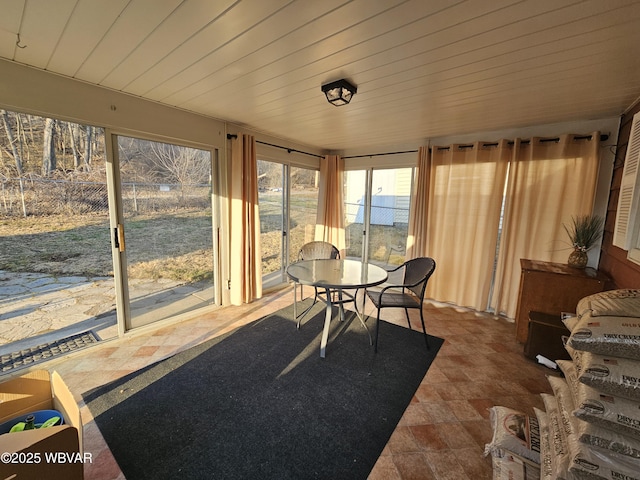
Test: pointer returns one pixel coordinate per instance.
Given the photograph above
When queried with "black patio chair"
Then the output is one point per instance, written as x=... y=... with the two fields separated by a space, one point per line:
x=317 y=250
x=408 y=294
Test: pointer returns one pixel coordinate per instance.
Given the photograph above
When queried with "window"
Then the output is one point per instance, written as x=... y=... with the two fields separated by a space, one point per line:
x=303 y=208
x=288 y=198
x=377 y=214
x=271 y=199
x=167 y=216
x=55 y=221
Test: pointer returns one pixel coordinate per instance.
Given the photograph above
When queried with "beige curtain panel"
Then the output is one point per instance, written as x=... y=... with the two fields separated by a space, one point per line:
x=245 y=262
x=330 y=219
x=417 y=230
x=463 y=195
x=549 y=183
x=458 y=197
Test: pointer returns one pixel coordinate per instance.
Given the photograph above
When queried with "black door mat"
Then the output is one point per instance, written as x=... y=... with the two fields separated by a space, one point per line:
x=46 y=351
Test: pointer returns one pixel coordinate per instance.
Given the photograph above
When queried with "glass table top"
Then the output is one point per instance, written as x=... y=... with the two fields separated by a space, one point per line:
x=336 y=273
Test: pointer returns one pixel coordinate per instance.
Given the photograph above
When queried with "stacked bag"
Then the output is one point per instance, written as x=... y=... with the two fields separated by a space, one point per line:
x=590 y=428
x=515 y=446
x=593 y=417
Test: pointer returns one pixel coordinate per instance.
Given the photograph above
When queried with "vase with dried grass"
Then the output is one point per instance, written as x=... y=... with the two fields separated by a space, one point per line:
x=584 y=232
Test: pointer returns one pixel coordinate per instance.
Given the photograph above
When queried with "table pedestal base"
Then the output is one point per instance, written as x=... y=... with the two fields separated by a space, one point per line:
x=329 y=313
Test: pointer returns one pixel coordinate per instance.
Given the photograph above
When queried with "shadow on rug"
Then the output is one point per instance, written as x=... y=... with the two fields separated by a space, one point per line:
x=259 y=402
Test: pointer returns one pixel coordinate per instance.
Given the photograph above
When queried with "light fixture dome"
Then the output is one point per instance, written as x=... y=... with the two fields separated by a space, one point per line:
x=339 y=92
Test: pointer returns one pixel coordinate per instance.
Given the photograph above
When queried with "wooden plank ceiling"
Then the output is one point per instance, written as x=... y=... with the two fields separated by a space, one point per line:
x=423 y=68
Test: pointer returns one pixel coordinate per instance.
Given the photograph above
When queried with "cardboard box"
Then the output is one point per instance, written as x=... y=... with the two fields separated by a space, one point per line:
x=52 y=453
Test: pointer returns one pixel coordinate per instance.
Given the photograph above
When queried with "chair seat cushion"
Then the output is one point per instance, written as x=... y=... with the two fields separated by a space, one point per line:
x=393 y=299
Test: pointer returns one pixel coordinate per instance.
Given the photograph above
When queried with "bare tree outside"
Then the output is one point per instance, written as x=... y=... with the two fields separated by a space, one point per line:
x=74 y=140
x=175 y=164
x=53 y=196
x=38 y=147
x=88 y=150
x=48 y=148
x=12 y=141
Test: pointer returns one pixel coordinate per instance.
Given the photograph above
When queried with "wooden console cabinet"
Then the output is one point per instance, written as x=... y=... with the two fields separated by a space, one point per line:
x=553 y=288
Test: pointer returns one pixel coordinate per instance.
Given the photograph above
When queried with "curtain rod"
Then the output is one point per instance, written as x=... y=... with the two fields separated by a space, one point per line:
x=603 y=138
x=381 y=154
x=289 y=150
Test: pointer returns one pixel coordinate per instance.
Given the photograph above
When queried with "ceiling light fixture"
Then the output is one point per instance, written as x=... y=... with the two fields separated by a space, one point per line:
x=339 y=92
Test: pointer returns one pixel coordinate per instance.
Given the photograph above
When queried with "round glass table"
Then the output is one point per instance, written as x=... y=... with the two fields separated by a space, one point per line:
x=336 y=276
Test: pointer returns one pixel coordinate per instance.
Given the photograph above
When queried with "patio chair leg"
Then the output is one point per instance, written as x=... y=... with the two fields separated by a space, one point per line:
x=377 y=328
x=424 y=330
x=406 y=313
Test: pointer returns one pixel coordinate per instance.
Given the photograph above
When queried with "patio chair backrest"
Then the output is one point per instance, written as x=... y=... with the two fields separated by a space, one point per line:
x=318 y=250
x=418 y=271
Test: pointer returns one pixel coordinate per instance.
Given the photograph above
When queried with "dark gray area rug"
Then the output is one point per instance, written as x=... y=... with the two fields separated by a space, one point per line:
x=259 y=402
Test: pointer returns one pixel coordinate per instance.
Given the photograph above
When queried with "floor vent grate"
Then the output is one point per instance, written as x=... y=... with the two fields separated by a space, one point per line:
x=46 y=351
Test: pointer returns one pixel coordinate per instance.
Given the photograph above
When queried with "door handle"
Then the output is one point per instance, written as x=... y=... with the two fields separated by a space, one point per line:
x=118 y=237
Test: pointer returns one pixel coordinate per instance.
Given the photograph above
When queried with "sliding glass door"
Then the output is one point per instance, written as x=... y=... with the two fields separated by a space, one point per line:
x=303 y=208
x=389 y=219
x=271 y=198
x=356 y=207
x=166 y=232
x=288 y=198
x=377 y=214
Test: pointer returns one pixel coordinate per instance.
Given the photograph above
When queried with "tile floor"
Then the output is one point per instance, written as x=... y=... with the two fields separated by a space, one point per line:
x=443 y=431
